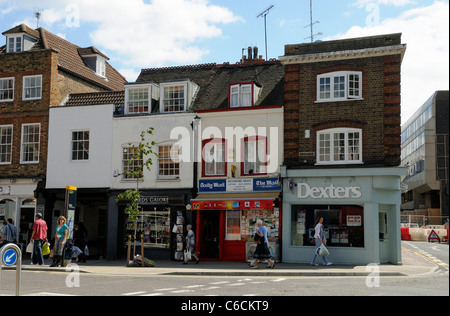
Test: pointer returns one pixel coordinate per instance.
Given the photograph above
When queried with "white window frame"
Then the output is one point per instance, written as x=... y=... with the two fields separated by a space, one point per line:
x=24 y=98
x=80 y=146
x=237 y=93
x=348 y=86
x=149 y=98
x=218 y=157
x=256 y=158
x=100 y=67
x=27 y=143
x=173 y=85
x=14 y=39
x=332 y=146
x=172 y=161
x=7 y=89
x=4 y=146
x=134 y=163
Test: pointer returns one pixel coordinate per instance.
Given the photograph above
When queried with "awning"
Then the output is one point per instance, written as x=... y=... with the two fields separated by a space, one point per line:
x=235 y=201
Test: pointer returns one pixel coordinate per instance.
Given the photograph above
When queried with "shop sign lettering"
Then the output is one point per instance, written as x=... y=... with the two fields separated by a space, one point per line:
x=331 y=192
x=153 y=200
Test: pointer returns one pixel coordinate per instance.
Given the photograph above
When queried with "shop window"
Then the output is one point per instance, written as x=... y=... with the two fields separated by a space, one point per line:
x=241 y=225
x=255 y=156
x=343 y=225
x=154 y=224
x=214 y=163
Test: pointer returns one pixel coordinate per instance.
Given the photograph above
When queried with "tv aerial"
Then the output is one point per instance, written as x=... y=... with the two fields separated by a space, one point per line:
x=264 y=14
x=311 y=24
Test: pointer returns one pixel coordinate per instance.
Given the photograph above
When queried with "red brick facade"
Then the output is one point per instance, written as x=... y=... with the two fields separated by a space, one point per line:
x=377 y=113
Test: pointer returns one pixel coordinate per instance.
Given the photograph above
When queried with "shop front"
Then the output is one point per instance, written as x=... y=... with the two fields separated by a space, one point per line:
x=361 y=211
x=162 y=221
x=227 y=211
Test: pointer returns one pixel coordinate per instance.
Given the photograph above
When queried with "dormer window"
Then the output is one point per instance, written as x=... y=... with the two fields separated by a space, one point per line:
x=243 y=94
x=20 y=38
x=94 y=59
x=177 y=96
x=14 y=44
x=141 y=98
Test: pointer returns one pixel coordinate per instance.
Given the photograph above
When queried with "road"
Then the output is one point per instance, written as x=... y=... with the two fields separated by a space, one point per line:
x=435 y=282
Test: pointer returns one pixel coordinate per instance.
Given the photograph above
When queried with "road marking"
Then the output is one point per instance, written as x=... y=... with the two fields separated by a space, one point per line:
x=221 y=282
x=153 y=294
x=182 y=291
x=168 y=289
x=133 y=293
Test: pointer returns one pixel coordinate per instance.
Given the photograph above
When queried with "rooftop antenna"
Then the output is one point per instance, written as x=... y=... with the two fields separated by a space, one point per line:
x=264 y=14
x=37 y=15
x=311 y=24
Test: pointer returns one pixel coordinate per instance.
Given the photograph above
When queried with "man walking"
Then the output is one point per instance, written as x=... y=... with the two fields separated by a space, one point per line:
x=38 y=237
x=9 y=234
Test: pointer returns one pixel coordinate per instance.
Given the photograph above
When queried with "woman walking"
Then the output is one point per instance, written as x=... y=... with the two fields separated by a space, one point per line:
x=190 y=244
x=60 y=240
x=262 y=250
x=319 y=237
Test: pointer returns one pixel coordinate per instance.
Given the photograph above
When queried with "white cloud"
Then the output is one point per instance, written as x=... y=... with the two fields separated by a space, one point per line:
x=396 y=3
x=142 y=33
x=425 y=66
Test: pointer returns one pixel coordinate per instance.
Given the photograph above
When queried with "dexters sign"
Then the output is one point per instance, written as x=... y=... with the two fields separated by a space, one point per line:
x=306 y=191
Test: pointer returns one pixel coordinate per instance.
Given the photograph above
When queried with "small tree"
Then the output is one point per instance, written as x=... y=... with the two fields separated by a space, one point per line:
x=141 y=157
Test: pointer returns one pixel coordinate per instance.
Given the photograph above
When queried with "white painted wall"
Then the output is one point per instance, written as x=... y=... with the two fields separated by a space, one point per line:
x=92 y=173
x=127 y=130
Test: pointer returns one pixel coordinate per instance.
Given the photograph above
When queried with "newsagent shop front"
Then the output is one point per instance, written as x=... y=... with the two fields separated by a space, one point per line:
x=227 y=211
x=361 y=211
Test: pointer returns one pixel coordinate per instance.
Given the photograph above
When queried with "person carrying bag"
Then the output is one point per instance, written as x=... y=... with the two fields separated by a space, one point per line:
x=320 y=250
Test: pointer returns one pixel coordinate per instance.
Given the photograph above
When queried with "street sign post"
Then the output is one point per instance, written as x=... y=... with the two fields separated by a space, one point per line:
x=10 y=255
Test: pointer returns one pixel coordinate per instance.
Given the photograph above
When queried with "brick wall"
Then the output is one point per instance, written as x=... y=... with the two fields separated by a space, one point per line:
x=377 y=114
x=56 y=85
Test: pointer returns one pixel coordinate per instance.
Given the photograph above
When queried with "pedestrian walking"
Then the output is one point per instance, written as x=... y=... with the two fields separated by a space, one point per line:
x=62 y=231
x=38 y=237
x=262 y=249
x=190 y=244
x=9 y=233
x=319 y=238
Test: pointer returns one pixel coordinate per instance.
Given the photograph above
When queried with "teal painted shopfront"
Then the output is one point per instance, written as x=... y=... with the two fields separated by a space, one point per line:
x=361 y=210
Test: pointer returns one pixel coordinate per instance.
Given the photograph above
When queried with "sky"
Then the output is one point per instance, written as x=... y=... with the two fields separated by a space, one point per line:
x=138 y=34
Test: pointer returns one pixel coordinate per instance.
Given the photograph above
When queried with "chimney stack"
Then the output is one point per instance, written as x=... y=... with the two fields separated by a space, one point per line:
x=250 y=49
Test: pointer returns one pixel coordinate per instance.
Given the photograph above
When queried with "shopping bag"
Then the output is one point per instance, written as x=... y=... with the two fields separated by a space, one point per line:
x=187 y=255
x=30 y=248
x=86 y=251
x=323 y=251
x=45 y=249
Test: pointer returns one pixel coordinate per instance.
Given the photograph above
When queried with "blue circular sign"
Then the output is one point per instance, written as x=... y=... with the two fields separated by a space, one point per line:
x=10 y=257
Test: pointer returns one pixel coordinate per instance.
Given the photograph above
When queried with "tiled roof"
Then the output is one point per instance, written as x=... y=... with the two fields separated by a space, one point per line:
x=77 y=99
x=214 y=79
x=70 y=59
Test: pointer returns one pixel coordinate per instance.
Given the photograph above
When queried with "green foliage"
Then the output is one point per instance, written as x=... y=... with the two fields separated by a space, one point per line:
x=143 y=153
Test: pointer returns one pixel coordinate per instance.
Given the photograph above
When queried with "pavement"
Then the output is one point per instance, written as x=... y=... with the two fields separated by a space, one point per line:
x=414 y=264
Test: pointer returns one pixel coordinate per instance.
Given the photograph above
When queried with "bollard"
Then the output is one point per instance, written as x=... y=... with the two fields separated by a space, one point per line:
x=10 y=258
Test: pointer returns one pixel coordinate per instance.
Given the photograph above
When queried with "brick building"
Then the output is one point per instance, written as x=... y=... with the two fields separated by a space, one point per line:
x=342 y=148
x=37 y=70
